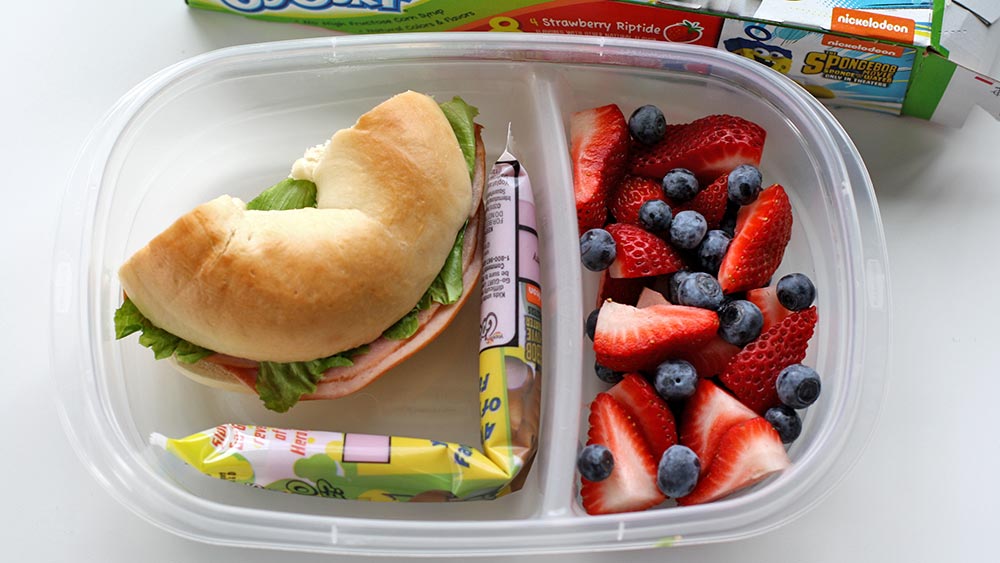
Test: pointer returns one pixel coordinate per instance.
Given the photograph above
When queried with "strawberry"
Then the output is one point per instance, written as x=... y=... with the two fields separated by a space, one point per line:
x=632 y=483
x=752 y=373
x=650 y=297
x=709 y=147
x=619 y=290
x=766 y=300
x=748 y=452
x=599 y=147
x=712 y=358
x=683 y=32
x=629 y=195
x=648 y=410
x=710 y=202
x=708 y=414
x=763 y=229
x=630 y=339
x=641 y=253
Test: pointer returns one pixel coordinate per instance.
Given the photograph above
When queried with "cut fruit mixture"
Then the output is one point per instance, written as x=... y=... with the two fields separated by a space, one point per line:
x=701 y=349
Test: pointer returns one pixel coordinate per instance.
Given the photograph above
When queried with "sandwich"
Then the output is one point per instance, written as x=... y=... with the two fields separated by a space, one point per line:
x=332 y=276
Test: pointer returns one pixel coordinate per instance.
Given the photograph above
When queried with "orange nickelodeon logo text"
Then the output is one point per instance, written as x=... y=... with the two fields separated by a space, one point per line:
x=877 y=26
x=863 y=46
x=533 y=294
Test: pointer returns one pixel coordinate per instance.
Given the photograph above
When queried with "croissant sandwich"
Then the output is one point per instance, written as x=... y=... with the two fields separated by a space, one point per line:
x=326 y=280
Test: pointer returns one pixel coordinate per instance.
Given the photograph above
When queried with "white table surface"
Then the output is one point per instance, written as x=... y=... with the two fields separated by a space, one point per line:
x=926 y=489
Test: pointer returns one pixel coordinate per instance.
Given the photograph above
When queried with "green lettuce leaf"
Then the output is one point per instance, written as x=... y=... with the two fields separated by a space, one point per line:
x=461 y=115
x=129 y=320
x=281 y=385
x=404 y=327
x=445 y=289
x=447 y=286
x=286 y=194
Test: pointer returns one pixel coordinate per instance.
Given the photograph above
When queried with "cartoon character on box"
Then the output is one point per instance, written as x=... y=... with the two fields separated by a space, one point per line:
x=754 y=47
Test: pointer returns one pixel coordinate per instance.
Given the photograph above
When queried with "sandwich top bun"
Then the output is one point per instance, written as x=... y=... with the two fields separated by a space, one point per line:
x=297 y=285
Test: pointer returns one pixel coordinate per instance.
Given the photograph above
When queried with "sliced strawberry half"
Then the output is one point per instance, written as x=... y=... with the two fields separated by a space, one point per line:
x=648 y=410
x=712 y=358
x=752 y=373
x=641 y=253
x=766 y=299
x=710 y=202
x=763 y=230
x=708 y=414
x=632 y=483
x=709 y=147
x=620 y=290
x=628 y=197
x=630 y=339
x=599 y=143
x=748 y=452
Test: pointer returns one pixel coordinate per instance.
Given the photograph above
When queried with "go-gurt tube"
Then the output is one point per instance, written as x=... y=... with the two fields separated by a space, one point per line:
x=391 y=468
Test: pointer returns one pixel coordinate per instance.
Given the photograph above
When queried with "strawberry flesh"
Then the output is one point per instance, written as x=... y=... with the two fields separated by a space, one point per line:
x=763 y=230
x=632 y=483
x=650 y=297
x=629 y=339
x=748 y=452
x=628 y=197
x=599 y=142
x=708 y=414
x=641 y=253
x=648 y=410
x=712 y=358
x=620 y=290
x=766 y=299
x=710 y=202
x=752 y=373
x=709 y=147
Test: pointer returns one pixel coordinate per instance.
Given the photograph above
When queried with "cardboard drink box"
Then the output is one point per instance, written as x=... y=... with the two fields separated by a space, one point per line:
x=919 y=58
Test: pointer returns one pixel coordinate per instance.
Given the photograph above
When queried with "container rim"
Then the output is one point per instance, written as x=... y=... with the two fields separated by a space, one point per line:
x=91 y=430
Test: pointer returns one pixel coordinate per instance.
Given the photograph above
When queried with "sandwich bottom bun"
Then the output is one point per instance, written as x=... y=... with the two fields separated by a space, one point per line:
x=232 y=374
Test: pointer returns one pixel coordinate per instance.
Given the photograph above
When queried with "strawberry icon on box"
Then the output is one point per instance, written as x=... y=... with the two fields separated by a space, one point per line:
x=685 y=31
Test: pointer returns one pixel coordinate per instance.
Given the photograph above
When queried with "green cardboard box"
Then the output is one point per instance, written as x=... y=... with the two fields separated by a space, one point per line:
x=924 y=65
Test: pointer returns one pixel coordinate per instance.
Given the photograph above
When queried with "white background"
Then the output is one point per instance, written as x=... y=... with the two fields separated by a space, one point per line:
x=927 y=488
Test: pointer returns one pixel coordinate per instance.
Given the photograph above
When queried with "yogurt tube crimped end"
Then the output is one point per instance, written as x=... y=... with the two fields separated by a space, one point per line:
x=391 y=468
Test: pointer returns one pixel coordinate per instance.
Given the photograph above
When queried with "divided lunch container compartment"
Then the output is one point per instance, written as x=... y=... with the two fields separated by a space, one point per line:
x=233 y=121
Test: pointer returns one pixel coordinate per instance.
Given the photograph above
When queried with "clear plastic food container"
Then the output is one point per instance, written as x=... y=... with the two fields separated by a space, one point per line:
x=233 y=120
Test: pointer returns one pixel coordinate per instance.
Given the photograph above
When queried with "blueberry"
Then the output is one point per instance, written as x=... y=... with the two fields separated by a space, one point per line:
x=744 y=184
x=647 y=125
x=740 y=322
x=595 y=462
x=712 y=250
x=677 y=472
x=597 y=249
x=675 y=281
x=675 y=380
x=607 y=374
x=786 y=421
x=728 y=222
x=654 y=215
x=796 y=292
x=591 y=324
x=798 y=386
x=688 y=229
x=700 y=290
x=680 y=184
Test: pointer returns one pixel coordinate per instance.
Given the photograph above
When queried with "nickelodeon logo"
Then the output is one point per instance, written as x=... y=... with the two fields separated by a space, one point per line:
x=877 y=26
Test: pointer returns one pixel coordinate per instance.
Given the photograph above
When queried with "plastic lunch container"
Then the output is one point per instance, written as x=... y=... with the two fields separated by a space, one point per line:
x=232 y=121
